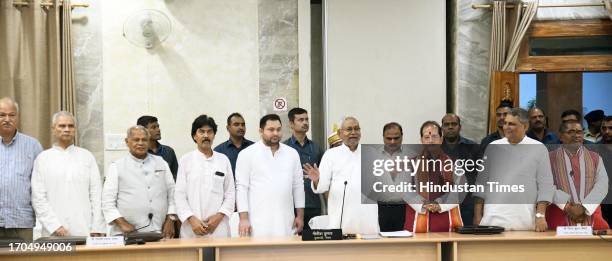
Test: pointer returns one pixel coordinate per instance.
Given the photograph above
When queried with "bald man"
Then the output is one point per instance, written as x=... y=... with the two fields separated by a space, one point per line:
x=340 y=171
x=17 y=154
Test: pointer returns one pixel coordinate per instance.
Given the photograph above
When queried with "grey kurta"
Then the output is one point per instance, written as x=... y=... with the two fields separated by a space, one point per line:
x=527 y=164
x=135 y=188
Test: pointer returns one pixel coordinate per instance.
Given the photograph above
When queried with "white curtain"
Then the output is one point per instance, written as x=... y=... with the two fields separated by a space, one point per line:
x=498 y=36
x=522 y=24
x=503 y=56
x=504 y=53
x=608 y=4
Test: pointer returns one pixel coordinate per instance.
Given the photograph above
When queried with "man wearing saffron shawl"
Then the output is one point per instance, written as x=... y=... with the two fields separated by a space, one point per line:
x=433 y=211
x=580 y=179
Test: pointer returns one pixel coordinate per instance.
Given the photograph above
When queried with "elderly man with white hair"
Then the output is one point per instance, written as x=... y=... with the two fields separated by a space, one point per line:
x=138 y=194
x=340 y=173
x=66 y=185
x=17 y=154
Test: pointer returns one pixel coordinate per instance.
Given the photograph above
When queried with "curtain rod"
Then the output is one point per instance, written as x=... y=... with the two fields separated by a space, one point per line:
x=509 y=6
x=48 y=4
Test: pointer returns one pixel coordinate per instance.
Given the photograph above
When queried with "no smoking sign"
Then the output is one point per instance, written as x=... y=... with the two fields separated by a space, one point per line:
x=280 y=104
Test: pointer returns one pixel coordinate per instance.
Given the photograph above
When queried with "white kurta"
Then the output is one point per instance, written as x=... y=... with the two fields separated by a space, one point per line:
x=270 y=188
x=204 y=187
x=135 y=188
x=66 y=191
x=530 y=167
x=338 y=165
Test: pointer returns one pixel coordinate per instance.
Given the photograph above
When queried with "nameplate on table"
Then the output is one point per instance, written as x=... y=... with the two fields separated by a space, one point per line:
x=392 y=234
x=574 y=231
x=321 y=234
x=105 y=241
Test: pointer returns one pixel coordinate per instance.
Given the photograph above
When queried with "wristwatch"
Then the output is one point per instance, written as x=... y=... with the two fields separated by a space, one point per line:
x=539 y=215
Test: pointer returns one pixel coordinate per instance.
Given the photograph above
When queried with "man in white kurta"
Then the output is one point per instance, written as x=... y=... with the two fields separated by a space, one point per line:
x=66 y=185
x=269 y=185
x=205 y=191
x=517 y=160
x=138 y=194
x=340 y=167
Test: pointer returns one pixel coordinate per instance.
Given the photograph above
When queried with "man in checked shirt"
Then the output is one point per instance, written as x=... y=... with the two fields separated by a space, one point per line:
x=17 y=154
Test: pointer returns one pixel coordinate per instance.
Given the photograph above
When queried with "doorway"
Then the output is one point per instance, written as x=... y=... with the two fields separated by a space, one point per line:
x=557 y=92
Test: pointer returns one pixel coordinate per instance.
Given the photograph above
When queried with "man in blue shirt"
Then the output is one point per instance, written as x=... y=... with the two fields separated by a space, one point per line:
x=236 y=143
x=537 y=127
x=17 y=154
x=156 y=148
x=310 y=153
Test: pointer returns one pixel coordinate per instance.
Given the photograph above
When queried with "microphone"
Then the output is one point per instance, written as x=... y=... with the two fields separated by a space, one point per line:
x=342 y=210
x=150 y=218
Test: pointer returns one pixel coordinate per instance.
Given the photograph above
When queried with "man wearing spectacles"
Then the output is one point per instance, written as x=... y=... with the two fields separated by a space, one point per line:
x=522 y=161
x=17 y=154
x=580 y=179
x=340 y=174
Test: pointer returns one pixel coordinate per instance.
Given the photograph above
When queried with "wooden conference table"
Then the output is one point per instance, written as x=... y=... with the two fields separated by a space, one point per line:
x=432 y=246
